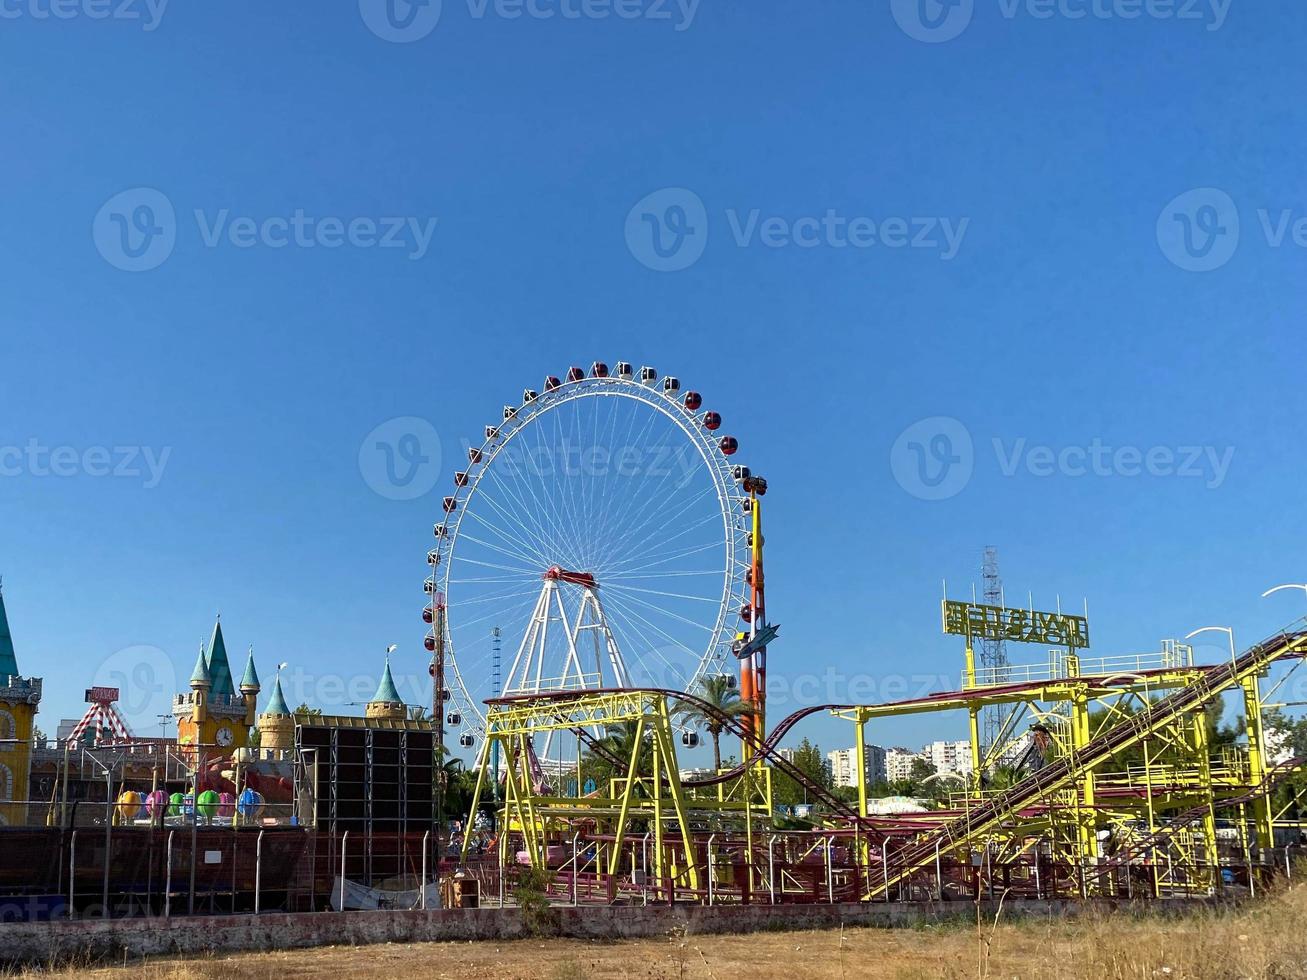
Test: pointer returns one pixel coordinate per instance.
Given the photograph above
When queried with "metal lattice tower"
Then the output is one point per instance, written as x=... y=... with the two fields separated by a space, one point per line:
x=993 y=653
x=497 y=687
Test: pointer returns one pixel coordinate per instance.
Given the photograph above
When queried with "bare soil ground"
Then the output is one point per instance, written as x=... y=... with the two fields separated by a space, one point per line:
x=1266 y=940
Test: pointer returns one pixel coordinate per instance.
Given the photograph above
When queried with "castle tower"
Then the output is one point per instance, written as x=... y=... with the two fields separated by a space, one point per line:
x=19 y=698
x=250 y=690
x=276 y=725
x=387 y=703
x=214 y=715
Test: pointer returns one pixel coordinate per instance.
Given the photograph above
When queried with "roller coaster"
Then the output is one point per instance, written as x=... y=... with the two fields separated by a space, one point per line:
x=1074 y=822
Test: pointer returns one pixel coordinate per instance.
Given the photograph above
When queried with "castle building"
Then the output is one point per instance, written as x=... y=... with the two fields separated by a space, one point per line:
x=214 y=713
x=19 y=698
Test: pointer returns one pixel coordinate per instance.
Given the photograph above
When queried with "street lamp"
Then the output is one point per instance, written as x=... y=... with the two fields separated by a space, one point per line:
x=1218 y=629
x=1291 y=585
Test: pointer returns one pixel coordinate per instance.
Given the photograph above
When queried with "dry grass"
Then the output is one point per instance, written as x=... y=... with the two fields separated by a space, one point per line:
x=1262 y=941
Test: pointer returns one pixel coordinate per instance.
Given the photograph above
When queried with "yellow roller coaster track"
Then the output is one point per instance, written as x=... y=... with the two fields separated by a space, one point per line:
x=994 y=814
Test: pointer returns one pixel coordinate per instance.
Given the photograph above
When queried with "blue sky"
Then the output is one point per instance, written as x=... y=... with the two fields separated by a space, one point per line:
x=1019 y=186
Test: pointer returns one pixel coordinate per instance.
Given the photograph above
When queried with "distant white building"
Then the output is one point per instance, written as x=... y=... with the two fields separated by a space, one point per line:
x=843 y=765
x=952 y=757
x=898 y=763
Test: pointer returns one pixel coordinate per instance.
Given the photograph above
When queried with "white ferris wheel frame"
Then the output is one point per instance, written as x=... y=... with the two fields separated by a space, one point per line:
x=730 y=498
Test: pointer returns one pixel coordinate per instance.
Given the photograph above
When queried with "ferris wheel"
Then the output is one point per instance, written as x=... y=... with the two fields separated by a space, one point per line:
x=598 y=538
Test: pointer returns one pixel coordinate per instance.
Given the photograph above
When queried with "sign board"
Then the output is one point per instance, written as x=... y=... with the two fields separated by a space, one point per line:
x=972 y=619
x=101 y=695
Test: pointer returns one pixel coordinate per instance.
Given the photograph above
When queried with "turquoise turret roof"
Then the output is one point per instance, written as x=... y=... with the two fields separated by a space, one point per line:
x=8 y=659
x=219 y=668
x=386 y=692
x=251 y=676
x=200 y=675
x=277 y=706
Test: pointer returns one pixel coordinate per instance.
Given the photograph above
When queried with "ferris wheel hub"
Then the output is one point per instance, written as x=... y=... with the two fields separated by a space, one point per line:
x=557 y=573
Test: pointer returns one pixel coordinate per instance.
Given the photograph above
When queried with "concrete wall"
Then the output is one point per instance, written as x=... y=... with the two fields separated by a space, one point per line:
x=45 y=942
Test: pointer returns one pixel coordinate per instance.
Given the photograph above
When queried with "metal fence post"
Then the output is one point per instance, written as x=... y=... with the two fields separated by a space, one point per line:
x=939 y=875
x=258 y=870
x=711 y=838
x=771 y=868
x=576 y=865
x=167 y=884
x=830 y=873
x=426 y=846
x=344 y=844
x=72 y=875
x=108 y=851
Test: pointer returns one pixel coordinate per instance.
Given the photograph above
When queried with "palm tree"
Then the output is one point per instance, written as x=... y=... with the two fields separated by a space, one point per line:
x=718 y=691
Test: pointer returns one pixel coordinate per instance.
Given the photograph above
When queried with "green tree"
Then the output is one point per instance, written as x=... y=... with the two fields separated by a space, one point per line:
x=717 y=691
x=304 y=709
x=618 y=742
x=808 y=759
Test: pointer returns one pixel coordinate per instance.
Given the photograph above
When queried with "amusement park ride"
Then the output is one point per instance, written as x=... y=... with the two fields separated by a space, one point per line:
x=625 y=578
x=603 y=529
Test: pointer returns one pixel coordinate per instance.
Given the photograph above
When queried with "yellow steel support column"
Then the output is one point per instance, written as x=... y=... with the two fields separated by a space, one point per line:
x=628 y=791
x=1203 y=758
x=1257 y=769
x=482 y=757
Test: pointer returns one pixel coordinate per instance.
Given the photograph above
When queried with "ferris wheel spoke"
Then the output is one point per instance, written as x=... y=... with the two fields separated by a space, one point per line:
x=631 y=442
x=663 y=522
x=667 y=612
x=638 y=556
x=626 y=613
x=639 y=503
x=529 y=536
x=494 y=547
x=523 y=522
x=669 y=595
x=648 y=575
